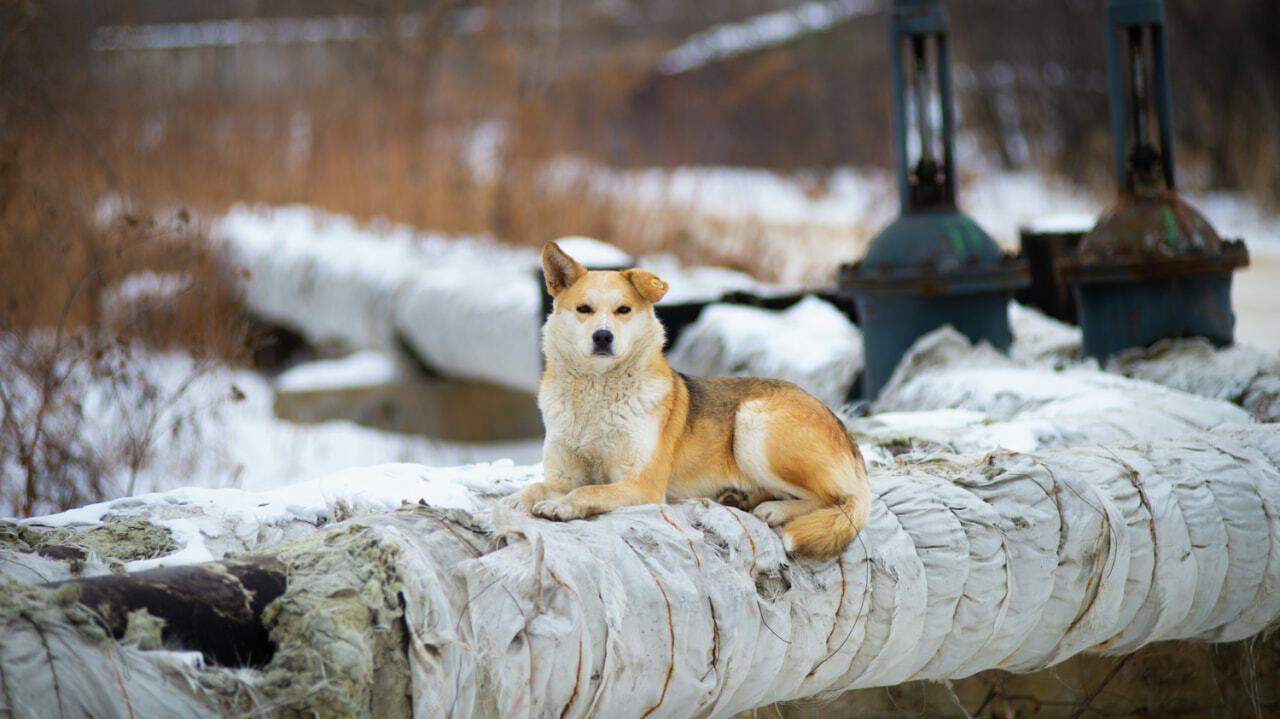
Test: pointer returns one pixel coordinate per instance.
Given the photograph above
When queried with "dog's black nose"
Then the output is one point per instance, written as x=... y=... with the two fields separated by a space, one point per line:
x=602 y=338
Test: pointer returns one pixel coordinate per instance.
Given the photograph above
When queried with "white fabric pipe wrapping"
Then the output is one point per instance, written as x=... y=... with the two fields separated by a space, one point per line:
x=56 y=662
x=1014 y=561
x=1009 y=388
x=470 y=310
x=304 y=271
x=1244 y=375
x=490 y=336
x=1010 y=560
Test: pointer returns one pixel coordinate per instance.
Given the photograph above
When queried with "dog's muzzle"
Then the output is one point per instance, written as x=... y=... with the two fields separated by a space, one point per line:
x=603 y=341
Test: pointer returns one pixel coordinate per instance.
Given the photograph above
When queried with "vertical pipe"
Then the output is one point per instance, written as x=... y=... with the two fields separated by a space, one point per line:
x=1137 y=88
x=899 y=115
x=1164 y=101
x=922 y=97
x=948 y=119
x=1119 y=134
x=1134 y=21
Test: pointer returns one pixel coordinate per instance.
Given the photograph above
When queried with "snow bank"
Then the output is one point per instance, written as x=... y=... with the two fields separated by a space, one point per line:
x=811 y=343
x=191 y=423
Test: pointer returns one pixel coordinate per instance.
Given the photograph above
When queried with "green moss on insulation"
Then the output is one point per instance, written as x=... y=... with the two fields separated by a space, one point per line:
x=119 y=540
x=341 y=647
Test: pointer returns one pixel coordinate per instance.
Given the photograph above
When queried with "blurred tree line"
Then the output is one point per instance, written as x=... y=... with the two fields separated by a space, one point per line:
x=584 y=77
x=443 y=114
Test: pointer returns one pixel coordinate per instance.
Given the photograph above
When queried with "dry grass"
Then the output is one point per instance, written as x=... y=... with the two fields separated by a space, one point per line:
x=79 y=410
x=383 y=158
x=63 y=252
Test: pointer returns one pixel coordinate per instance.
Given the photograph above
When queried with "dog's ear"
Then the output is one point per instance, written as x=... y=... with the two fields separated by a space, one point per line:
x=647 y=284
x=559 y=269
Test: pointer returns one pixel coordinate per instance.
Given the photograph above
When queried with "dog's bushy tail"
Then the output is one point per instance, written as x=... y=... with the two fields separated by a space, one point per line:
x=826 y=531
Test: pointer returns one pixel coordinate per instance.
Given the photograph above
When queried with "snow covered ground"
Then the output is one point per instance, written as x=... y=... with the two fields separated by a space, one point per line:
x=215 y=428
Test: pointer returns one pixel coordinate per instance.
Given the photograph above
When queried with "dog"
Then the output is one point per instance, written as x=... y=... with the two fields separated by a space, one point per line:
x=624 y=428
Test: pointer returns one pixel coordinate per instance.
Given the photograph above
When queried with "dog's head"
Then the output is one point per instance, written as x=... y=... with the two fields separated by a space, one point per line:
x=599 y=318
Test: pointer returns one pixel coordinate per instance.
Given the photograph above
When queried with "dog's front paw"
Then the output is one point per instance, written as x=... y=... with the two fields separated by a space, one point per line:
x=560 y=509
x=525 y=499
x=516 y=502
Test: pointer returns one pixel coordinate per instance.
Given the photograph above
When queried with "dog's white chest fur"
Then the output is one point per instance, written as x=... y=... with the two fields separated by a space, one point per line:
x=610 y=423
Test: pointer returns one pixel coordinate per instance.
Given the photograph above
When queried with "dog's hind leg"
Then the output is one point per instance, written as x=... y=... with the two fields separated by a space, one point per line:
x=790 y=445
x=780 y=511
x=738 y=499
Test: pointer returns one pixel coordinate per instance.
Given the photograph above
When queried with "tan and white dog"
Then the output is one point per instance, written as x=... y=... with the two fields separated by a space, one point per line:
x=624 y=428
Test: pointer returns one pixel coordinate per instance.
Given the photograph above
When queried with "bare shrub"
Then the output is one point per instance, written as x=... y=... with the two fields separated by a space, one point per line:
x=80 y=406
x=79 y=414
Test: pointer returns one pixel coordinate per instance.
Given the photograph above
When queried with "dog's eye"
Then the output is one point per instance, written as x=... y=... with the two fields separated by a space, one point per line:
x=623 y=310
x=584 y=309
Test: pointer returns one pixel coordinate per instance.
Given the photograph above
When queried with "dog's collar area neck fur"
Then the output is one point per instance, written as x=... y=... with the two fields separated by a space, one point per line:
x=611 y=368
x=609 y=365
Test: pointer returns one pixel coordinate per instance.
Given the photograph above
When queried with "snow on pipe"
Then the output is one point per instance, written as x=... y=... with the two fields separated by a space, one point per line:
x=969 y=562
x=471 y=309
x=1244 y=375
x=324 y=276
x=468 y=309
x=969 y=398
